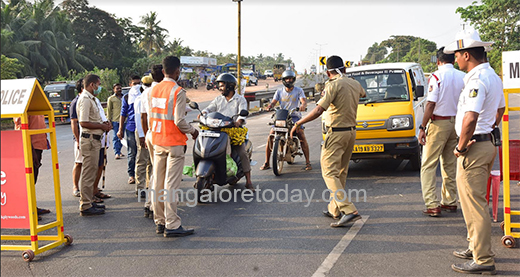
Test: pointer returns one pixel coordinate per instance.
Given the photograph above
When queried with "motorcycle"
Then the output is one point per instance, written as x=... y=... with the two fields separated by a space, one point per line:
x=284 y=149
x=209 y=152
x=211 y=85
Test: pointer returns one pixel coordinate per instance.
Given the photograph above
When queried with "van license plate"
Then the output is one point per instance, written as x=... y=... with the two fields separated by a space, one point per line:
x=368 y=148
x=280 y=129
x=207 y=134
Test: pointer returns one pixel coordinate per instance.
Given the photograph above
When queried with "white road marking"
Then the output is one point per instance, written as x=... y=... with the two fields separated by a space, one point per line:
x=334 y=255
x=262 y=146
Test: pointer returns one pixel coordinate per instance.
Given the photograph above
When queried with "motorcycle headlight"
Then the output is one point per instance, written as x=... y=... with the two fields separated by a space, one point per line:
x=280 y=123
x=211 y=122
x=402 y=122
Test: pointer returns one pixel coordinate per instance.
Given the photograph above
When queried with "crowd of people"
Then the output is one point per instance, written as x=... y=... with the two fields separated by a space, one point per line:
x=461 y=112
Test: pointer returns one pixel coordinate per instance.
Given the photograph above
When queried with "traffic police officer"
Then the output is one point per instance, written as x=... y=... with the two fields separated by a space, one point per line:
x=480 y=108
x=339 y=100
x=167 y=102
x=444 y=89
x=92 y=129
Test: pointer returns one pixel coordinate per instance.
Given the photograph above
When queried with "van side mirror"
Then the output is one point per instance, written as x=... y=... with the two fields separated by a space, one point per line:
x=419 y=91
x=244 y=113
x=194 y=105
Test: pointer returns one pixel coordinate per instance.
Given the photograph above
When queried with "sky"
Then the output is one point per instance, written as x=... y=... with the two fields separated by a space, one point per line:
x=301 y=30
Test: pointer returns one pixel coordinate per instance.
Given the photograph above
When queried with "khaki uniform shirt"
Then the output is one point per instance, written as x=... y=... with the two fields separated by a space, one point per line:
x=340 y=99
x=114 y=108
x=88 y=111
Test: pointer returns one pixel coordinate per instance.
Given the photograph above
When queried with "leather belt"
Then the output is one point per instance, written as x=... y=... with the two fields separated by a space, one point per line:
x=436 y=117
x=87 y=135
x=341 y=129
x=481 y=137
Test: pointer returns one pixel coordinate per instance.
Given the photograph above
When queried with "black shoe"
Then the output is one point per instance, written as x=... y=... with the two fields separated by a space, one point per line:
x=346 y=219
x=472 y=268
x=91 y=211
x=179 y=232
x=466 y=254
x=150 y=215
x=326 y=213
x=98 y=206
x=143 y=195
x=159 y=229
x=147 y=212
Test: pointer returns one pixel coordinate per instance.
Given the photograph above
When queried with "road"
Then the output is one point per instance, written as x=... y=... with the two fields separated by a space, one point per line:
x=258 y=238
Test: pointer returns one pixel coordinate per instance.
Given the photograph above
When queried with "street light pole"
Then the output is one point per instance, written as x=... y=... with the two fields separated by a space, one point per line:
x=239 y=75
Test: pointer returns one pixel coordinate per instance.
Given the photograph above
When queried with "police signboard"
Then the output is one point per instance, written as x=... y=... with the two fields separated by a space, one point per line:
x=510 y=69
x=21 y=95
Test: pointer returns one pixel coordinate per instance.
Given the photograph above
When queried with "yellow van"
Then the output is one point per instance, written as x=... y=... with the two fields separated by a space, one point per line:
x=387 y=117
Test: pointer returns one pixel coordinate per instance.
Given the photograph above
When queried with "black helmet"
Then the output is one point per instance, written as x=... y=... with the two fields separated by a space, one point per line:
x=230 y=80
x=288 y=74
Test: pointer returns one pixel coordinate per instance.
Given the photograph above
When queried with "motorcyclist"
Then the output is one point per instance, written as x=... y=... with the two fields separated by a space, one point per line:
x=289 y=97
x=230 y=103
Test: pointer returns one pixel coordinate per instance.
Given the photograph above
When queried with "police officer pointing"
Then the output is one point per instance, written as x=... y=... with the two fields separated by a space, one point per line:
x=480 y=108
x=339 y=101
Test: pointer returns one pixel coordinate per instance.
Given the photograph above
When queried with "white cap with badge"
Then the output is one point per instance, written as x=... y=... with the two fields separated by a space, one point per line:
x=465 y=39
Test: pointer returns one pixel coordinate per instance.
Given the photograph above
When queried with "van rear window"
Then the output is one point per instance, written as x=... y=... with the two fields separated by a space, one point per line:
x=388 y=85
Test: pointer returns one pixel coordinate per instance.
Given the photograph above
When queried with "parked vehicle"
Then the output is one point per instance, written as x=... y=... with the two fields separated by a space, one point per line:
x=211 y=85
x=387 y=117
x=60 y=94
x=284 y=149
x=250 y=77
x=268 y=73
x=209 y=152
x=278 y=69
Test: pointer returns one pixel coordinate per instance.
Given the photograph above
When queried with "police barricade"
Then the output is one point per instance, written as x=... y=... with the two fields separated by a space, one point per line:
x=511 y=81
x=22 y=99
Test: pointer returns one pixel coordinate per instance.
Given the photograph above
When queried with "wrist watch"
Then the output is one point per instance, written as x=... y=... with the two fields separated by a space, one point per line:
x=422 y=128
x=461 y=151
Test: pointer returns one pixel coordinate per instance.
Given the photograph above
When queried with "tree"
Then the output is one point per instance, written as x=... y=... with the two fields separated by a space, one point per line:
x=154 y=36
x=96 y=32
x=375 y=53
x=10 y=68
x=39 y=36
x=497 y=21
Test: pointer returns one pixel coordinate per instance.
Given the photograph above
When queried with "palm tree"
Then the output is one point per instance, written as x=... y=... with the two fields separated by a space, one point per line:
x=153 y=35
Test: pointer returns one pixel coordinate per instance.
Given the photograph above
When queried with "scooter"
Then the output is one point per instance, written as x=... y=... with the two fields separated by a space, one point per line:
x=209 y=151
x=284 y=149
x=211 y=85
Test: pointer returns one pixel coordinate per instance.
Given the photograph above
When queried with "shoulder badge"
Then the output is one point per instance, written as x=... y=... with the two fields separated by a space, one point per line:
x=473 y=93
x=430 y=89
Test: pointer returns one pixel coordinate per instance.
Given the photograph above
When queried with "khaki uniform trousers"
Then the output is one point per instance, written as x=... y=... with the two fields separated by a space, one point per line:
x=90 y=151
x=473 y=170
x=148 y=142
x=335 y=158
x=440 y=142
x=143 y=166
x=167 y=172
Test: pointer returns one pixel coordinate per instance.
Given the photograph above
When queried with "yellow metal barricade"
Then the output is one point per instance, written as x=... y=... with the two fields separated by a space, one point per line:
x=24 y=98
x=508 y=240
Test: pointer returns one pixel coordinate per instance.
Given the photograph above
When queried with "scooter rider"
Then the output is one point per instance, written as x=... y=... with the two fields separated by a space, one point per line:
x=230 y=104
x=289 y=96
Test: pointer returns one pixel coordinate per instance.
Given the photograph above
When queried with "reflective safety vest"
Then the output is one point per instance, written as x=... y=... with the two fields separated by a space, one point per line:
x=162 y=101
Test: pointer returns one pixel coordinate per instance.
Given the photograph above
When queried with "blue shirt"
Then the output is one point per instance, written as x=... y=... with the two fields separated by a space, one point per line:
x=289 y=100
x=127 y=110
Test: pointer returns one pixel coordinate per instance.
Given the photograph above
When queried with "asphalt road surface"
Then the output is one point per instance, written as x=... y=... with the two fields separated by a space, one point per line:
x=258 y=238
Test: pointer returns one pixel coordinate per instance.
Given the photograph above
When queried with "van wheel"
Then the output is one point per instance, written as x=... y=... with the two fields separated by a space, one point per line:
x=415 y=160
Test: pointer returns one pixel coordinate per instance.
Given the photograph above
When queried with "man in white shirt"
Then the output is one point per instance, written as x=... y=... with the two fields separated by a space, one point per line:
x=144 y=122
x=480 y=108
x=439 y=118
x=230 y=104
